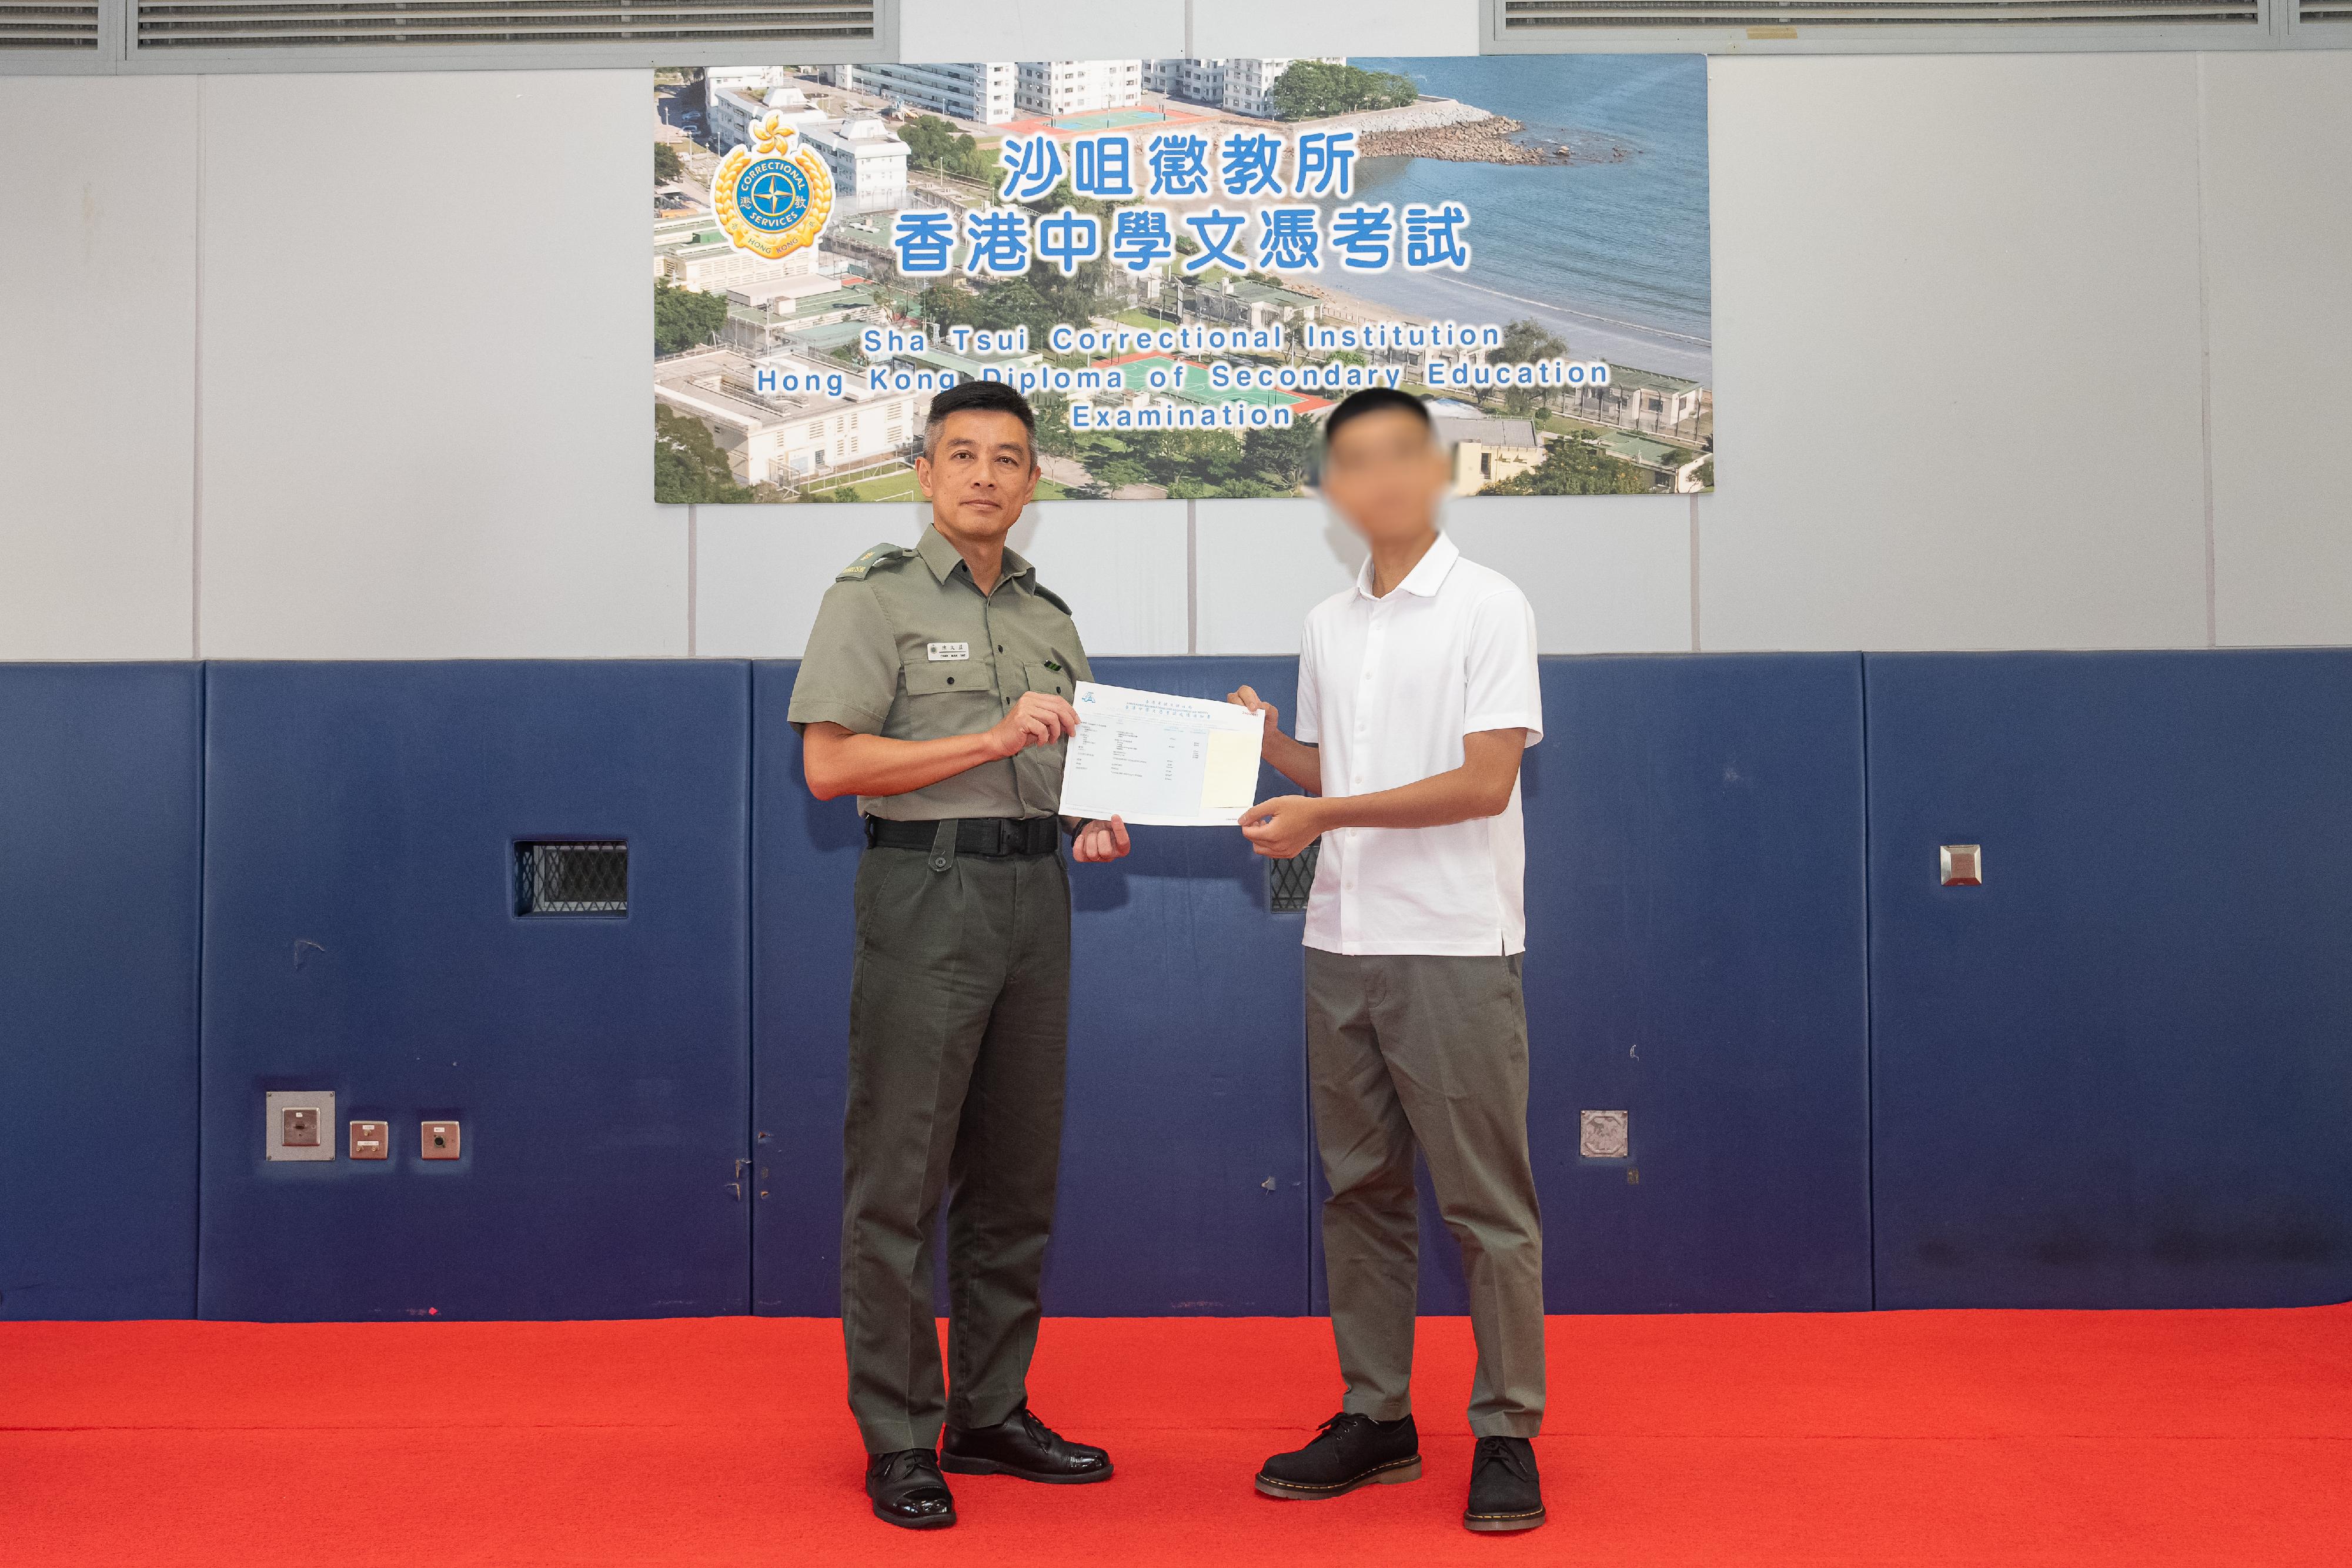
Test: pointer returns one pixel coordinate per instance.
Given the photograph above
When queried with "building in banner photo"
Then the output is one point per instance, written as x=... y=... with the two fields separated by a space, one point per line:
x=1184 y=264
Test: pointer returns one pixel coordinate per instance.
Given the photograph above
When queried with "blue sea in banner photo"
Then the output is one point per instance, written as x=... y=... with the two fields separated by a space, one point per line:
x=1611 y=250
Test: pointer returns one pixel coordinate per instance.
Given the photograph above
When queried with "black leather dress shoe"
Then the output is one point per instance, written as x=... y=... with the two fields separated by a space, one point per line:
x=1350 y=1451
x=1506 y=1493
x=908 y=1489
x=1026 y=1447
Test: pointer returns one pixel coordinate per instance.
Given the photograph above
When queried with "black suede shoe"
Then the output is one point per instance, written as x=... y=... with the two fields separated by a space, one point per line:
x=908 y=1491
x=1506 y=1493
x=1026 y=1447
x=1350 y=1451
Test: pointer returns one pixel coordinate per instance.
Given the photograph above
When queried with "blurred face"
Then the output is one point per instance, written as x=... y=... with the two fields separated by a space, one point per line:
x=980 y=475
x=1385 y=474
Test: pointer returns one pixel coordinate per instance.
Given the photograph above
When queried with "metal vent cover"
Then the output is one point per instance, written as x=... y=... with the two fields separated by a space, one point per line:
x=1524 y=16
x=2324 y=11
x=1288 y=883
x=48 y=25
x=571 y=876
x=189 y=25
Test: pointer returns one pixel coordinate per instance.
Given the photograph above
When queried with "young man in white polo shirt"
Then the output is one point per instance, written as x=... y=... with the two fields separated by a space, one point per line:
x=1417 y=694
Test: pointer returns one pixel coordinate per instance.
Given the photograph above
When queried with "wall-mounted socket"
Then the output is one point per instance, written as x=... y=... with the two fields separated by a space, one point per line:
x=437 y=1141
x=370 y=1140
x=1604 y=1136
x=296 y=1123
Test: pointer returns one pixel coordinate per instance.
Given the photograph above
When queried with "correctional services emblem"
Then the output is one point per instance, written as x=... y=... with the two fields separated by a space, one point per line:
x=770 y=199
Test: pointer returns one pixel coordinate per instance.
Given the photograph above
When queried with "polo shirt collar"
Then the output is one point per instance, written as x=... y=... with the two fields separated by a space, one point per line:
x=942 y=557
x=1425 y=576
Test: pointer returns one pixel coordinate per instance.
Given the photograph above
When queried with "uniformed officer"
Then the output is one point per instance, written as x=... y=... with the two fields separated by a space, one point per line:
x=937 y=688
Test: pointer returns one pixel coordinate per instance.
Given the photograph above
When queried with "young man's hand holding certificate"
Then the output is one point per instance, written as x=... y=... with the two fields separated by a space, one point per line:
x=1161 y=761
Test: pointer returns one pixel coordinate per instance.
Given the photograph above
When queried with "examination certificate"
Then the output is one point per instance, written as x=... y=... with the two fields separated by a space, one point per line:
x=1161 y=761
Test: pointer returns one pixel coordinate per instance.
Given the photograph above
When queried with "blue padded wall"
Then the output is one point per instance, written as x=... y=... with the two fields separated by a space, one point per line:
x=360 y=935
x=804 y=865
x=1186 y=1091
x=1187 y=1068
x=1695 y=957
x=101 y=850
x=2116 y=1074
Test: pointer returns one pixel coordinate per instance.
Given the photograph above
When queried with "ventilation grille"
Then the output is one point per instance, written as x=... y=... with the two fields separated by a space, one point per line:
x=1521 y=15
x=48 y=24
x=1287 y=883
x=334 y=24
x=2325 y=11
x=574 y=877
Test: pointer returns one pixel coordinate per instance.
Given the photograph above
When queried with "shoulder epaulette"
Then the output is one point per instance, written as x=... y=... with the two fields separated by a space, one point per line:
x=880 y=554
x=1049 y=596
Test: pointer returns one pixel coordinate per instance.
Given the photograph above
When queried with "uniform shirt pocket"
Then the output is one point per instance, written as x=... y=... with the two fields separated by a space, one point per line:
x=951 y=697
x=1053 y=680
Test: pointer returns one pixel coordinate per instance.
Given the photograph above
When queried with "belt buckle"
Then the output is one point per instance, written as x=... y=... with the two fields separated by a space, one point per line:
x=993 y=838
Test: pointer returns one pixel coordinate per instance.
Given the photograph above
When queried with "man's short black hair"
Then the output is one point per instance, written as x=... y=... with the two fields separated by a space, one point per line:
x=1372 y=399
x=987 y=397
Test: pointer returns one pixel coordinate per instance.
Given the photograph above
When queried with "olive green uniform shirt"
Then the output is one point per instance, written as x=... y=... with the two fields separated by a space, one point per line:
x=907 y=647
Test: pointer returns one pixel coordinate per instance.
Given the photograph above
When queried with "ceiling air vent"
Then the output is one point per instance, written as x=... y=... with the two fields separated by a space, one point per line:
x=1528 y=16
x=48 y=25
x=190 y=25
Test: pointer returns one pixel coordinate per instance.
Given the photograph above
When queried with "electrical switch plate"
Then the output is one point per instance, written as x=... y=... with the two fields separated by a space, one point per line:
x=295 y=1123
x=1963 y=865
x=1604 y=1136
x=370 y=1140
x=438 y=1140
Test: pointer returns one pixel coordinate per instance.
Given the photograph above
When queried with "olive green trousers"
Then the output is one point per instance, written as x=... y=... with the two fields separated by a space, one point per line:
x=1429 y=1051
x=959 y=1024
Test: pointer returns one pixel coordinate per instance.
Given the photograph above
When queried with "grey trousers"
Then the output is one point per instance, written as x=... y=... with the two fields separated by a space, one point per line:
x=959 y=1023
x=1427 y=1050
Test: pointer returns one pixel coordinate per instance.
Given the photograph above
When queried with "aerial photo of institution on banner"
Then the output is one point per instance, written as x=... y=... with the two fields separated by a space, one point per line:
x=1184 y=265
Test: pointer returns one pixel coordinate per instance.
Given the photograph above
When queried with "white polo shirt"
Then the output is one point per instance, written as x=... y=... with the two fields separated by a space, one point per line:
x=1387 y=689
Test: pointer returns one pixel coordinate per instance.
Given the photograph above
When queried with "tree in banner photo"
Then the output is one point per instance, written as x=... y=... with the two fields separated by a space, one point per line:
x=1184 y=264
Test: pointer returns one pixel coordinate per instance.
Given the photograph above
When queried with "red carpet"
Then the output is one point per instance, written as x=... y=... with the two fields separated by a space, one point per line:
x=1963 y=1437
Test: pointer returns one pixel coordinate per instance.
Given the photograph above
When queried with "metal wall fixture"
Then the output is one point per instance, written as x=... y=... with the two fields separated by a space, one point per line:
x=370 y=1140
x=1963 y=866
x=437 y=1141
x=296 y=1123
x=1604 y=1136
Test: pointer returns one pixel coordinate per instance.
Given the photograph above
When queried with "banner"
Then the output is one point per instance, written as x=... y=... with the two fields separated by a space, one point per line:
x=1184 y=265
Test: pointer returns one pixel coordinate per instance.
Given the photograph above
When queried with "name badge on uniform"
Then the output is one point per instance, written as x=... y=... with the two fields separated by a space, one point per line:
x=941 y=651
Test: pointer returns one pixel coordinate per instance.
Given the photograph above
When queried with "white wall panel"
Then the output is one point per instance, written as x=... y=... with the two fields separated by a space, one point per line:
x=1039 y=29
x=2278 y=257
x=1262 y=566
x=1957 y=354
x=761 y=571
x=98 y=277
x=1294 y=27
x=1121 y=567
x=1606 y=574
x=426 y=422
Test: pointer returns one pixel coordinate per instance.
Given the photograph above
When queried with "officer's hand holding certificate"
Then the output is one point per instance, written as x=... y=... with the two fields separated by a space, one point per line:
x=1160 y=760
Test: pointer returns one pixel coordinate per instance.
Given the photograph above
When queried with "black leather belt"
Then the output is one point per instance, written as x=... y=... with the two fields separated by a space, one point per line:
x=987 y=836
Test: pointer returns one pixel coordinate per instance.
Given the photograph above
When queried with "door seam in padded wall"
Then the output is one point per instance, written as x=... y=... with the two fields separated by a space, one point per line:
x=204 y=881
x=754 y=1174
x=1869 y=1006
